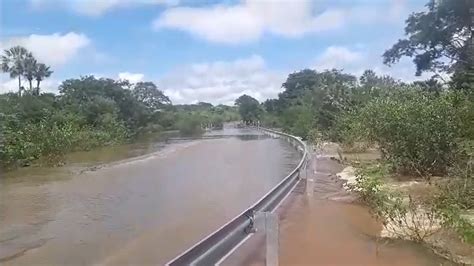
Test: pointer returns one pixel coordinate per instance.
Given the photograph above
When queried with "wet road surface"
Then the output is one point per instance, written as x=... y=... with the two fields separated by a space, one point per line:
x=141 y=210
x=329 y=228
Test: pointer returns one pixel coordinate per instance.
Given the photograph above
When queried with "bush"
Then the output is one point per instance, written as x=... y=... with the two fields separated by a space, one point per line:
x=52 y=137
x=416 y=132
x=369 y=185
x=453 y=198
x=298 y=120
x=457 y=191
x=270 y=120
x=401 y=217
x=190 y=125
x=47 y=139
x=453 y=219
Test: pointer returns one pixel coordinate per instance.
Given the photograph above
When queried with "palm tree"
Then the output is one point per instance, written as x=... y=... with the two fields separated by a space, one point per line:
x=42 y=72
x=31 y=67
x=13 y=63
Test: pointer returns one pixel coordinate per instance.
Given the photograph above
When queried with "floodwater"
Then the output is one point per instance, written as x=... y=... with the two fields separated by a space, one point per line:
x=328 y=228
x=105 y=207
x=144 y=203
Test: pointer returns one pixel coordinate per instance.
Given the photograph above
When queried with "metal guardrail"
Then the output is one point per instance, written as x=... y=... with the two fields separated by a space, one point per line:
x=221 y=243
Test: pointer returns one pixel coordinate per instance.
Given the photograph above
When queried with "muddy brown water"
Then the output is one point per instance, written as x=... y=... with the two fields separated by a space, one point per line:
x=330 y=228
x=141 y=210
x=143 y=203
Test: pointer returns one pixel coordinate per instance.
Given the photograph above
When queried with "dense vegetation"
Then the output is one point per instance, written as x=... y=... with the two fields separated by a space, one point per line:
x=192 y=119
x=422 y=129
x=418 y=127
x=88 y=112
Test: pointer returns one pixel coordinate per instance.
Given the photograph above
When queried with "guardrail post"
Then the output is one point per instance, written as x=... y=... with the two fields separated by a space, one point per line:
x=268 y=223
x=272 y=238
x=310 y=174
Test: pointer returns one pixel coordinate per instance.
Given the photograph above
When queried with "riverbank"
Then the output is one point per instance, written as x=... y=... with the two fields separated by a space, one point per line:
x=95 y=155
x=407 y=206
x=329 y=227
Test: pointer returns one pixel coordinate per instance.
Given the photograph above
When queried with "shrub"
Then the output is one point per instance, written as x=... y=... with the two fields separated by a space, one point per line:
x=52 y=137
x=298 y=120
x=417 y=133
x=457 y=191
x=47 y=139
x=401 y=217
x=454 y=198
x=190 y=125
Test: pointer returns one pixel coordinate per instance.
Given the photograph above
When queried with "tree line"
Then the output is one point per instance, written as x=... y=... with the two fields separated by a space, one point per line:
x=421 y=127
x=87 y=112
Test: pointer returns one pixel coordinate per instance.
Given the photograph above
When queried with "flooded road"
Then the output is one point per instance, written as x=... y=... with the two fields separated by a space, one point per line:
x=141 y=210
x=328 y=227
x=143 y=203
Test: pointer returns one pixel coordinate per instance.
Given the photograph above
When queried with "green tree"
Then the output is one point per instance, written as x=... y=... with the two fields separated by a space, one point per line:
x=88 y=96
x=149 y=95
x=31 y=66
x=249 y=108
x=296 y=85
x=370 y=80
x=298 y=120
x=205 y=105
x=440 y=39
x=431 y=85
x=417 y=132
x=41 y=72
x=272 y=105
x=13 y=62
x=322 y=94
x=373 y=85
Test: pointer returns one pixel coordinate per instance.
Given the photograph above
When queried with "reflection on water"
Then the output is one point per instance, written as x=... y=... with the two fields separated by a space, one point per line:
x=141 y=210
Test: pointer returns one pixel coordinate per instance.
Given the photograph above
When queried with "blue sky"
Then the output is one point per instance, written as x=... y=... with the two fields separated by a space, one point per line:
x=206 y=50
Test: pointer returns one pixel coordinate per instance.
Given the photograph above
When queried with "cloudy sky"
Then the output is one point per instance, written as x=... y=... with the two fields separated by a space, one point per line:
x=205 y=50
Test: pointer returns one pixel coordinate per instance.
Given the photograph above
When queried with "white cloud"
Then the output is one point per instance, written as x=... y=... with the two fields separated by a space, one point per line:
x=96 y=7
x=394 y=11
x=355 y=61
x=7 y=84
x=249 y=20
x=132 y=77
x=55 y=49
x=337 y=56
x=222 y=81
